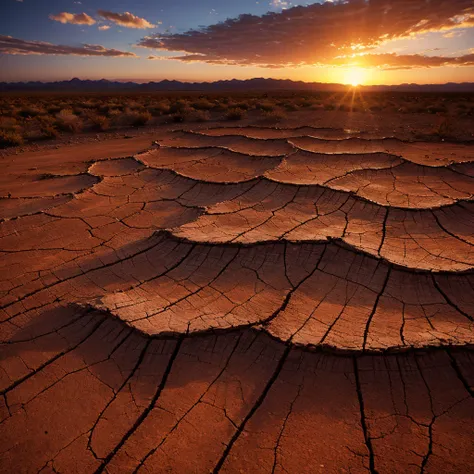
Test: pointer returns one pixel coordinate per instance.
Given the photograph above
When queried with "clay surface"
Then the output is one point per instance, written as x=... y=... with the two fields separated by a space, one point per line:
x=238 y=299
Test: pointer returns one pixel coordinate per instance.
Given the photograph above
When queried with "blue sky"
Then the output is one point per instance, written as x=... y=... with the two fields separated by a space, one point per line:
x=246 y=48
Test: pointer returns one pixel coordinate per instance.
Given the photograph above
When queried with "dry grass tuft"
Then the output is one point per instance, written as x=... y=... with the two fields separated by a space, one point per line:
x=10 y=138
x=235 y=114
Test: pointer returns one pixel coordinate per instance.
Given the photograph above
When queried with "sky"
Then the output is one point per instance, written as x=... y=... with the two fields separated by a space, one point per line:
x=347 y=41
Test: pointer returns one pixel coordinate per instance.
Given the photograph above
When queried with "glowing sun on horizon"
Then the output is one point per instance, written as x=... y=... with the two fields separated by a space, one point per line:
x=355 y=76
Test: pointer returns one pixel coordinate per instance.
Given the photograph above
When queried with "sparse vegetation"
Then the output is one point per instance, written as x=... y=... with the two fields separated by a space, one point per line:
x=29 y=118
x=99 y=122
x=235 y=114
x=9 y=138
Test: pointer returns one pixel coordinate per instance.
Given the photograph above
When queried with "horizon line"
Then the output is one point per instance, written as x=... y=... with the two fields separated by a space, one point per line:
x=184 y=81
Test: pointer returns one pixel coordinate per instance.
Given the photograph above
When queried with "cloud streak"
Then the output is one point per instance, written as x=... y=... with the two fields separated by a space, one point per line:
x=16 y=46
x=407 y=61
x=73 y=18
x=126 y=19
x=317 y=34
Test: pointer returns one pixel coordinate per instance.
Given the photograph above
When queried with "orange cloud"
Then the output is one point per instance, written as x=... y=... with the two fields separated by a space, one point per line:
x=312 y=35
x=126 y=19
x=10 y=45
x=73 y=18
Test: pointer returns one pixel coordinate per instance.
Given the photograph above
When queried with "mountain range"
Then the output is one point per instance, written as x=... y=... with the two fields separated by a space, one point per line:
x=257 y=84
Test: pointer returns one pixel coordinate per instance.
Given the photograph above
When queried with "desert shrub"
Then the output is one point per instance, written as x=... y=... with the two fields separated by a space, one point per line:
x=304 y=102
x=290 y=106
x=44 y=120
x=178 y=117
x=98 y=122
x=49 y=132
x=87 y=104
x=139 y=119
x=69 y=123
x=178 y=106
x=30 y=112
x=77 y=111
x=265 y=105
x=329 y=107
x=8 y=124
x=199 y=116
x=221 y=107
x=114 y=113
x=202 y=104
x=53 y=110
x=275 y=115
x=242 y=105
x=10 y=138
x=104 y=109
x=187 y=114
x=235 y=114
x=159 y=108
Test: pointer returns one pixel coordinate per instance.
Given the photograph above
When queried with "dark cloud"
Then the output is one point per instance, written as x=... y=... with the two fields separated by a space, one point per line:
x=126 y=19
x=314 y=34
x=9 y=45
x=408 y=61
x=73 y=18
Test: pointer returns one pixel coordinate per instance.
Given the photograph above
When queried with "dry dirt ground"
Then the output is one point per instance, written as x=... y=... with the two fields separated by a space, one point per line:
x=259 y=298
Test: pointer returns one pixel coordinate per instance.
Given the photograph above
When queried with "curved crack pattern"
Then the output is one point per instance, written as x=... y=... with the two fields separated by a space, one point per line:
x=238 y=299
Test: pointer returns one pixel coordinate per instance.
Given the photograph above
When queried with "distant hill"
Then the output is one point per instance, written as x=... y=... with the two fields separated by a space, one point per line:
x=258 y=84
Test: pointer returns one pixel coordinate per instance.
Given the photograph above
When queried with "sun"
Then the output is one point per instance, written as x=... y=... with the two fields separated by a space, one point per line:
x=354 y=76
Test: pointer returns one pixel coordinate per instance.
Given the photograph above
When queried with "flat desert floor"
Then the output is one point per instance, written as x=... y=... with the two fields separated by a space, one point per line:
x=239 y=299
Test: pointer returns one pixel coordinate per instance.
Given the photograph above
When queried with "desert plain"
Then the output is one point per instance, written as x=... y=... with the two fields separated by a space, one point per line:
x=218 y=287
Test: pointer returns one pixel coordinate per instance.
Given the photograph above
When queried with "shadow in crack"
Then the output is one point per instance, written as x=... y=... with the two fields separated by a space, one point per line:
x=310 y=293
x=91 y=392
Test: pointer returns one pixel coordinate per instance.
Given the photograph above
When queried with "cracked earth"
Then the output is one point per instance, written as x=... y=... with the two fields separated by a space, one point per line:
x=239 y=299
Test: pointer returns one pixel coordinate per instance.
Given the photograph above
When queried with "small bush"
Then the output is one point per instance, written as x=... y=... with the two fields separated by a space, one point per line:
x=99 y=122
x=290 y=106
x=10 y=138
x=139 y=119
x=199 y=116
x=191 y=115
x=49 y=132
x=160 y=108
x=30 y=112
x=275 y=115
x=242 y=105
x=69 y=125
x=267 y=106
x=54 y=110
x=235 y=114
x=202 y=104
x=178 y=106
x=8 y=124
x=178 y=118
